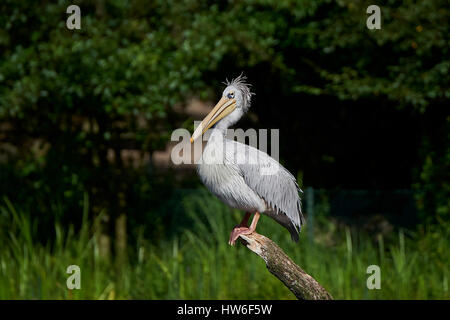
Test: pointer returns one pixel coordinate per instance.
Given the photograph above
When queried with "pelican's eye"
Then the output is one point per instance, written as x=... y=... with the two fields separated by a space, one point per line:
x=230 y=95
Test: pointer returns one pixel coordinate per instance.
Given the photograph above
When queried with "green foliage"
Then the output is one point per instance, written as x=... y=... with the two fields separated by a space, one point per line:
x=84 y=94
x=199 y=264
x=432 y=187
x=71 y=101
x=396 y=61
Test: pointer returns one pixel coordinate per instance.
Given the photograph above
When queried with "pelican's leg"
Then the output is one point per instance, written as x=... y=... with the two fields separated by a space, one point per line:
x=240 y=226
x=238 y=230
x=244 y=222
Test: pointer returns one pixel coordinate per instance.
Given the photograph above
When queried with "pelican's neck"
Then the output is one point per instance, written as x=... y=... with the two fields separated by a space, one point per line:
x=215 y=148
x=221 y=128
x=214 y=151
x=219 y=131
x=217 y=136
x=223 y=125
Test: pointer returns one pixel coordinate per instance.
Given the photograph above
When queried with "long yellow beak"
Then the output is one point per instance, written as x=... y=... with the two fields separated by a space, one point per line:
x=223 y=108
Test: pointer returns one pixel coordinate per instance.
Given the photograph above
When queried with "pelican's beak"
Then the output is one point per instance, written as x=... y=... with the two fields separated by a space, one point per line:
x=223 y=108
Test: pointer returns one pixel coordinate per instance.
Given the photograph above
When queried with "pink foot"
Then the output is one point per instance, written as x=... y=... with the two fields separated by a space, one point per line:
x=237 y=231
x=242 y=227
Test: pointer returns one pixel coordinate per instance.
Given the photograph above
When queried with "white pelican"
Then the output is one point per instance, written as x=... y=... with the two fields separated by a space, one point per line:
x=242 y=176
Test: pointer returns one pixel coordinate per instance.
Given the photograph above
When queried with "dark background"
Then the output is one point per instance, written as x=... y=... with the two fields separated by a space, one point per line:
x=358 y=109
x=363 y=114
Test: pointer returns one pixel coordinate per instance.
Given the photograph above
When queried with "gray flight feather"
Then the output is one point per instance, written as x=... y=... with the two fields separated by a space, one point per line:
x=275 y=185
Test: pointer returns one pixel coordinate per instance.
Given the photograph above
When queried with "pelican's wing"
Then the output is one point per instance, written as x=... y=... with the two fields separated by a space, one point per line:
x=271 y=181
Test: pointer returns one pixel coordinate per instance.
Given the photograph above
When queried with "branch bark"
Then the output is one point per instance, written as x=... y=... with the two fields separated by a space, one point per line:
x=301 y=284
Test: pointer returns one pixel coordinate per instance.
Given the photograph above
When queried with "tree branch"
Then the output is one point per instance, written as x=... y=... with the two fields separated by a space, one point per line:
x=301 y=284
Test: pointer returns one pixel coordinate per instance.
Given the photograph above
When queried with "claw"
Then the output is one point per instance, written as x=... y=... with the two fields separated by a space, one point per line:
x=242 y=228
x=237 y=231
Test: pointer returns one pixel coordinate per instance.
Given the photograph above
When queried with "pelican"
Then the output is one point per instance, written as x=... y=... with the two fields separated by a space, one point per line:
x=238 y=173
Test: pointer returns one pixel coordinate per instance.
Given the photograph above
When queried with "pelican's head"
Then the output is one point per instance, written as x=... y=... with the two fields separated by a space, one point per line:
x=234 y=103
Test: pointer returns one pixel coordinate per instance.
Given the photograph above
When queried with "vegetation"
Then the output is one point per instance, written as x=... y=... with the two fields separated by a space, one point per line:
x=82 y=113
x=199 y=264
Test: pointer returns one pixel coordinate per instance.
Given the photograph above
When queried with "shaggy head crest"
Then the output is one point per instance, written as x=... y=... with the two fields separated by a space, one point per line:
x=244 y=87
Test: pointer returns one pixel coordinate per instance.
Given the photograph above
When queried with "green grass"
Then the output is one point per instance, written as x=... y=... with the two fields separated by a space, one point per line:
x=199 y=264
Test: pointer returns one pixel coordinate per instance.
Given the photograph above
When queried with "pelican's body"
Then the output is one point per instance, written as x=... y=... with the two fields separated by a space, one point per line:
x=243 y=177
x=224 y=178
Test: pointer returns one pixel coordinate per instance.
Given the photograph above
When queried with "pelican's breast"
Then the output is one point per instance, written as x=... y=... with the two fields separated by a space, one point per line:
x=223 y=179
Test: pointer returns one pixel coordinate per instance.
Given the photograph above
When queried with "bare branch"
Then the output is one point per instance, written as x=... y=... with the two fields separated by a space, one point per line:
x=301 y=284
